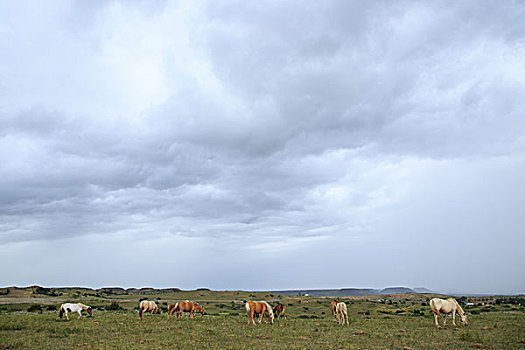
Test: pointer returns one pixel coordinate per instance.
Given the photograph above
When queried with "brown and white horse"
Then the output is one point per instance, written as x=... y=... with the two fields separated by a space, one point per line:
x=445 y=307
x=279 y=310
x=78 y=307
x=333 y=305
x=258 y=307
x=341 y=312
x=147 y=306
x=185 y=306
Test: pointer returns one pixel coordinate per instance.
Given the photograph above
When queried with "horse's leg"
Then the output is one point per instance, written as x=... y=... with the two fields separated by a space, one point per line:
x=445 y=316
x=346 y=314
x=67 y=317
x=436 y=315
x=79 y=313
x=454 y=318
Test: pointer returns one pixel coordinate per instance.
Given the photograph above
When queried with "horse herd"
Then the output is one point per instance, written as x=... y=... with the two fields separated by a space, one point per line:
x=259 y=309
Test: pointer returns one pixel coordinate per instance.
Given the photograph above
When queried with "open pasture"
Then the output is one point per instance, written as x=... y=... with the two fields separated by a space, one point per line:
x=396 y=322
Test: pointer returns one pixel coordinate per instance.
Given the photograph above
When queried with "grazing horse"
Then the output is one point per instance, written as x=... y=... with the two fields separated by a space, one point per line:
x=341 y=312
x=258 y=307
x=445 y=307
x=185 y=306
x=147 y=306
x=78 y=307
x=279 y=310
x=333 y=304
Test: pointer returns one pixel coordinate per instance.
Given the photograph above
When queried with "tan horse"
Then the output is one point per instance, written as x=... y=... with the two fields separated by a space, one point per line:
x=445 y=307
x=147 y=306
x=258 y=307
x=333 y=305
x=185 y=306
x=278 y=310
x=341 y=312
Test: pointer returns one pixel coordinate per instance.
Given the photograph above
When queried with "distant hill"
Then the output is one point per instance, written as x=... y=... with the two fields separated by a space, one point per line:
x=397 y=290
x=352 y=292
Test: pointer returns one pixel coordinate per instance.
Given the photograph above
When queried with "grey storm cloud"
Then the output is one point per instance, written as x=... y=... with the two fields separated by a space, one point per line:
x=263 y=136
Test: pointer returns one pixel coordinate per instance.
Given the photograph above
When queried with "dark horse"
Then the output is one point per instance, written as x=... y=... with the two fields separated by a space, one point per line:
x=279 y=310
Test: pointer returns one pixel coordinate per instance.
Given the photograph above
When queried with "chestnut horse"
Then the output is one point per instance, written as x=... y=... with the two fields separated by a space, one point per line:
x=445 y=307
x=147 y=306
x=258 y=307
x=279 y=310
x=333 y=305
x=78 y=307
x=185 y=306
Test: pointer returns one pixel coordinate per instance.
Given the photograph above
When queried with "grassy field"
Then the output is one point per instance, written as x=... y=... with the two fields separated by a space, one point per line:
x=30 y=321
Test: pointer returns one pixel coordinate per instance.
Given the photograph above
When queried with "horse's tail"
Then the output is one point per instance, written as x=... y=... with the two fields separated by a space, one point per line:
x=61 y=313
x=172 y=308
x=433 y=305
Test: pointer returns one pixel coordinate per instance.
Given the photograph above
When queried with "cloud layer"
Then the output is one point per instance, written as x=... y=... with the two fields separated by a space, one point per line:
x=263 y=146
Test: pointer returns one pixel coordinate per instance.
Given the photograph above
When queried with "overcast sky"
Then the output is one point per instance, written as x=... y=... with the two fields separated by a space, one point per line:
x=263 y=145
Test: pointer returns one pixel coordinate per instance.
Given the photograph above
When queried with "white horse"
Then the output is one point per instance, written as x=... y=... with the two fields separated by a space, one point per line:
x=341 y=313
x=78 y=307
x=147 y=306
x=445 y=307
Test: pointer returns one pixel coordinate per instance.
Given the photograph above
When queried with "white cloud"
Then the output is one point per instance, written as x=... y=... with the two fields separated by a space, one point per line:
x=296 y=131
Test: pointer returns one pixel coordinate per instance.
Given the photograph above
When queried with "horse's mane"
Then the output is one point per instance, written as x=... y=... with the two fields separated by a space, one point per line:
x=460 y=309
x=270 y=311
x=83 y=306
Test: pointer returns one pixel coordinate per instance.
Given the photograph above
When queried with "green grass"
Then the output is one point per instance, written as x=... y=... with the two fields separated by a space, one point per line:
x=406 y=323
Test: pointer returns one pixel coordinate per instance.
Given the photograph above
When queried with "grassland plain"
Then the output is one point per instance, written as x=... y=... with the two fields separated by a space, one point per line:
x=388 y=322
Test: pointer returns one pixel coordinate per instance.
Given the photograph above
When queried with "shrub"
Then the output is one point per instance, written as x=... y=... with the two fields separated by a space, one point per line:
x=114 y=306
x=35 y=308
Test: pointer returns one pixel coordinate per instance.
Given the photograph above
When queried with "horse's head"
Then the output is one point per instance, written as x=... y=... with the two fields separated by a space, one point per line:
x=463 y=318
x=271 y=318
x=200 y=309
x=89 y=311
